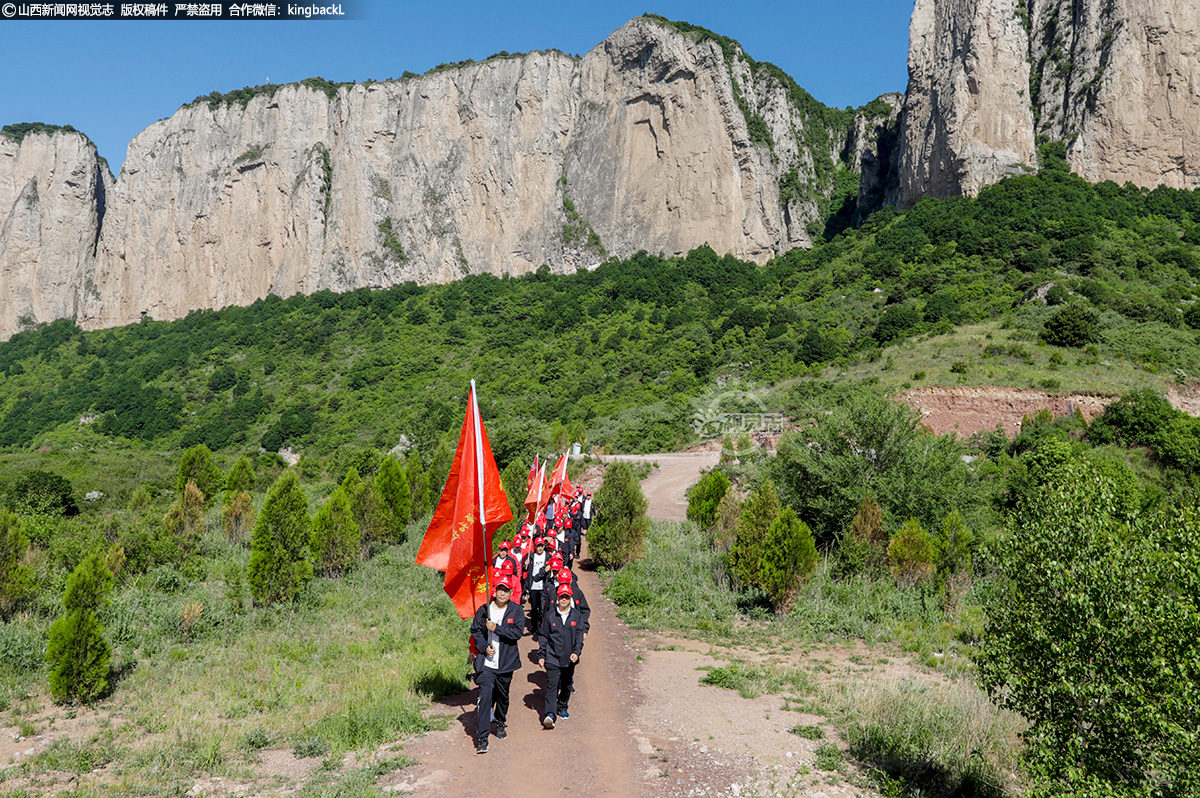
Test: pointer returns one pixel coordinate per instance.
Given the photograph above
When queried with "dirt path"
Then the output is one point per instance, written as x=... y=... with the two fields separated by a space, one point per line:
x=598 y=741
x=666 y=487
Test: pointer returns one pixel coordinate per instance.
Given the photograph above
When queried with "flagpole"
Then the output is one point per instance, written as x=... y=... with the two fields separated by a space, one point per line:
x=487 y=577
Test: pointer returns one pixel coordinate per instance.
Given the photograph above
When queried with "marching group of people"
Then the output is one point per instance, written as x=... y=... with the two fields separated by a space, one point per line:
x=534 y=568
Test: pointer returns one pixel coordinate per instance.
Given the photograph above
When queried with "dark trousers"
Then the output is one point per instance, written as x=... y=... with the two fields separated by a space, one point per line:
x=558 y=688
x=535 y=609
x=493 y=692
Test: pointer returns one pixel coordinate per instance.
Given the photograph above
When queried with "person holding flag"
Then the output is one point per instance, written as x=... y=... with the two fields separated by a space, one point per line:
x=495 y=630
x=458 y=542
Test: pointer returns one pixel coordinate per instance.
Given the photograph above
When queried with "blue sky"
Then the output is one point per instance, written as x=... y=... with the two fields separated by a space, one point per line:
x=110 y=80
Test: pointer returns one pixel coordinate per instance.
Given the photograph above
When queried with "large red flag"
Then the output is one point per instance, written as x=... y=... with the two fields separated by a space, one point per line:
x=533 y=472
x=472 y=507
x=536 y=498
x=560 y=483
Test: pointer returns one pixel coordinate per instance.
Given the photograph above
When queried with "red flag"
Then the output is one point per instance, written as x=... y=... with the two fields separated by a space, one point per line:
x=533 y=472
x=536 y=498
x=472 y=507
x=560 y=484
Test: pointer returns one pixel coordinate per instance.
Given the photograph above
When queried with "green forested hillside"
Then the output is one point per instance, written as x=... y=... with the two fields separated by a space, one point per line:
x=621 y=349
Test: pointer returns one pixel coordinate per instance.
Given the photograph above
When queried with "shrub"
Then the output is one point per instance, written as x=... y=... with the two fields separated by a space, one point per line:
x=616 y=536
x=279 y=565
x=336 y=537
x=241 y=476
x=1095 y=639
x=185 y=518
x=705 y=496
x=788 y=560
x=237 y=515
x=16 y=582
x=77 y=652
x=1075 y=325
x=910 y=554
x=729 y=510
x=864 y=543
x=1136 y=419
x=43 y=493
x=393 y=500
x=197 y=466
x=749 y=545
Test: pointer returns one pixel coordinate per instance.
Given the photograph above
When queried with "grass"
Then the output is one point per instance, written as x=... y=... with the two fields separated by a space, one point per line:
x=350 y=666
x=1009 y=353
x=752 y=681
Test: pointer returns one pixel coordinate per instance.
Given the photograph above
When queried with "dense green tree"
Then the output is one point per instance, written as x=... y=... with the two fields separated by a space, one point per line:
x=336 y=537
x=1075 y=325
x=197 y=466
x=616 y=536
x=759 y=512
x=789 y=559
x=241 y=476
x=705 y=496
x=77 y=651
x=1095 y=639
x=43 y=493
x=869 y=445
x=16 y=581
x=279 y=559
x=862 y=548
x=910 y=554
x=393 y=500
x=418 y=482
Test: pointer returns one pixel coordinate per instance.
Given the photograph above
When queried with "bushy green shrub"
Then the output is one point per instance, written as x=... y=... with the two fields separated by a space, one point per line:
x=863 y=546
x=910 y=554
x=43 y=493
x=394 y=500
x=16 y=582
x=1095 y=639
x=241 y=476
x=77 y=651
x=279 y=565
x=705 y=496
x=788 y=559
x=759 y=512
x=197 y=466
x=336 y=538
x=616 y=536
x=1075 y=325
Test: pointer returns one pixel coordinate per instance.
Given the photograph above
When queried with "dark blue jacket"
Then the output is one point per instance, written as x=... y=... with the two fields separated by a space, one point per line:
x=558 y=641
x=509 y=630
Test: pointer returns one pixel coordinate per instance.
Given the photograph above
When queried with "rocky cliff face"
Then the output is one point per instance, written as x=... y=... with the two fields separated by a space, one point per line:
x=663 y=137
x=1118 y=81
x=52 y=198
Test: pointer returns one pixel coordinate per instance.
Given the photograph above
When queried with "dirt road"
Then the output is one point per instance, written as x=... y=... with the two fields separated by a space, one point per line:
x=596 y=741
x=666 y=487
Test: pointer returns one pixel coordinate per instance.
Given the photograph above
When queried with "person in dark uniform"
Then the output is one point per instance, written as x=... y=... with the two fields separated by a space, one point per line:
x=560 y=644
x=537 y=580
x=495 y=630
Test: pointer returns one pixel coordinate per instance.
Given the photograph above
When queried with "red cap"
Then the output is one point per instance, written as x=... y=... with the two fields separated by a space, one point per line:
x=564 y=575
x=505 y=580
x=539 y=541
x=564 y=589
x=504 y=545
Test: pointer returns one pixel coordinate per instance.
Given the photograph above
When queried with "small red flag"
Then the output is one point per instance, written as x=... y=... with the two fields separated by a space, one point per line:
x=533 y=472
x=560 y=484
x=536 y=497
x=472 y=507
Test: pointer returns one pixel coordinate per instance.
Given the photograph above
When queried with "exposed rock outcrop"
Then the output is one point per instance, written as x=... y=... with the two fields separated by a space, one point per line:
x=663 y=137
x=1118 y=81
x=52 y=198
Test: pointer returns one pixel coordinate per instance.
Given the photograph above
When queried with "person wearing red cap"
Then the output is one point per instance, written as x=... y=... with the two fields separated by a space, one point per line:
x=495 y=629
x=560 y=644
x=536 y=578
x=566 y=576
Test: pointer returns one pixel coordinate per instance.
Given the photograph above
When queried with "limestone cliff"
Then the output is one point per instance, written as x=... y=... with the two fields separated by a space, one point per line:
x=663 y=137
x=52 y=199
x=1118 y=81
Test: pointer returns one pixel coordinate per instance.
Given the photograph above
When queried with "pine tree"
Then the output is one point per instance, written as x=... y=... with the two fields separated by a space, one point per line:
x=362 y=502
x=789 y=558
x=910 y=554
x=336 y=537
x=185 y=518
x=16 y=583
x=279 y=565
x=418 y=482
x=393 y=500
x=863 y=546
x=77 y=652
x=241 y=477
x=749 y=544
x=617 y=535
x=238 y=515
x=197 y=466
